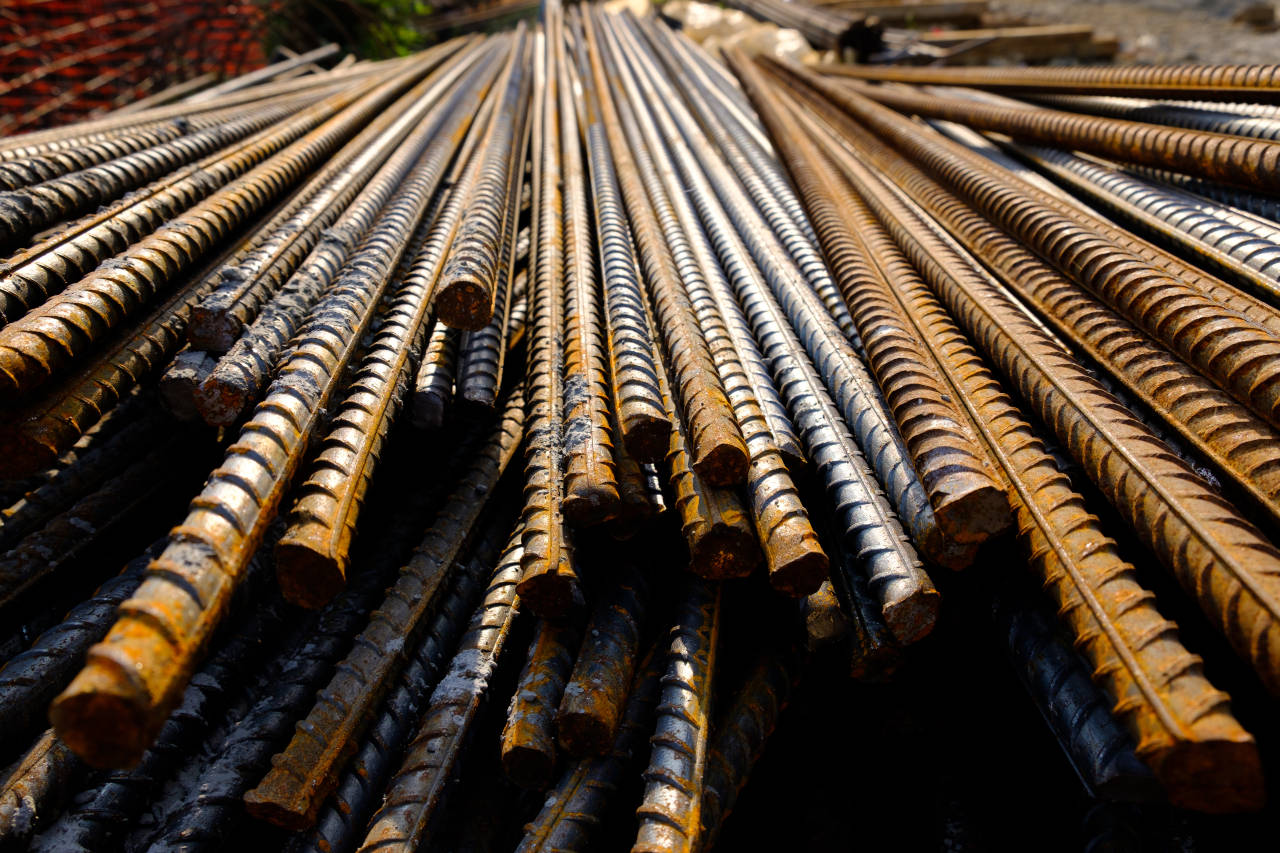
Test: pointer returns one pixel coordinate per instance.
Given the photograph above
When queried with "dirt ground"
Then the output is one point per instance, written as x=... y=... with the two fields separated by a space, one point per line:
x=1160 y=31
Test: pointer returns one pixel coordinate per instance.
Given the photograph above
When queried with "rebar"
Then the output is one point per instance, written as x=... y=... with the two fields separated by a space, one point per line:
x=312 y=557
x=529 y=736
x=595 y=695
x=1133 y=649
x=670 y=811
x=433 y=385
x=341 y=825
x=308 y=769
x=33 y=786
x=549 y=587
x=188 y=587
x=465 y=296
x=415 y=794
x=573 y=810
x=1206 y=82
x=739 y=738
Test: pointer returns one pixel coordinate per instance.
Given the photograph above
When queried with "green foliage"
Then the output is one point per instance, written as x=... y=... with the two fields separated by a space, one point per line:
x=372 y=29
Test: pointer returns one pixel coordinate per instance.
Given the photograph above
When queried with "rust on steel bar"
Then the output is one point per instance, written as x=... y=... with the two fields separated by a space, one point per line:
x=670 y=811
x=591 y=492
x=909 y=599
x=36 y=782
x=573 y=810
x=529 y=736
x=1260 y=83
x=1182 y=725
x=53 y=337
x=1234 y=160
x=1237 y=442
x=415 y=794
x=133 y=678
x=549 y=587
x=312 y=556
x=1232 y=570
x=717 y=451
x=956 y=472
x=796 y=562
x=595 y=695
x=465 y=296
x=309 y=768
x=1242 y=357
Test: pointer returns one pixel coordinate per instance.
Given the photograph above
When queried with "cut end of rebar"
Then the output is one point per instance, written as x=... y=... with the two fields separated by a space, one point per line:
x=724 y=464
x=550 y=594
x=647 y=438
x=264 y=807
x=583 y=734
x=528 y=767
x=943 y=552
x=214 y=332
x=798 y=571
x=220 y=403
x=464 y=304
x=587 y=505
x=911 y=619
x=975 y=515
x=106 y=728
x=724 y=552
x=25 y=455
x=308 y=577
x=1216 y=776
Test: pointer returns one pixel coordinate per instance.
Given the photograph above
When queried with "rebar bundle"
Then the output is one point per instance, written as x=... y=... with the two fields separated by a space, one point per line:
x=483 y=434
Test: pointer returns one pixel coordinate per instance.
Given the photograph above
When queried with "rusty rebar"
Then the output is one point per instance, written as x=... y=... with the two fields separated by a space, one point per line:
x=34 y=785
x=717 y=451
x=1215 y=244
x=549 y=587
x=1172 y=711
x=465 y=296
x=57 y=334
x=1235 y=440
x=907 y=594
x=594 y=697
x=433 y=384
x=891 y=560
x=1206 y=82
x=590 y=475
x=1230 y=561
x=740 y=736
x=243 y=287
x=26 y=210
x=239 y=378
x=670 y=811
x=308 y=769
x=572 y=811
x=1225 y=346
x=312 y=556
x=529 y=736
x=436 y=753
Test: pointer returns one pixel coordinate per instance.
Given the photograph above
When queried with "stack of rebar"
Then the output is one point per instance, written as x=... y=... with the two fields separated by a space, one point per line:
x=494 y=439
x=822 y=26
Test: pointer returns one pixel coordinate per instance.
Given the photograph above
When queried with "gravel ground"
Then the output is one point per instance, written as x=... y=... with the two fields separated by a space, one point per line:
x=1160 y=31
